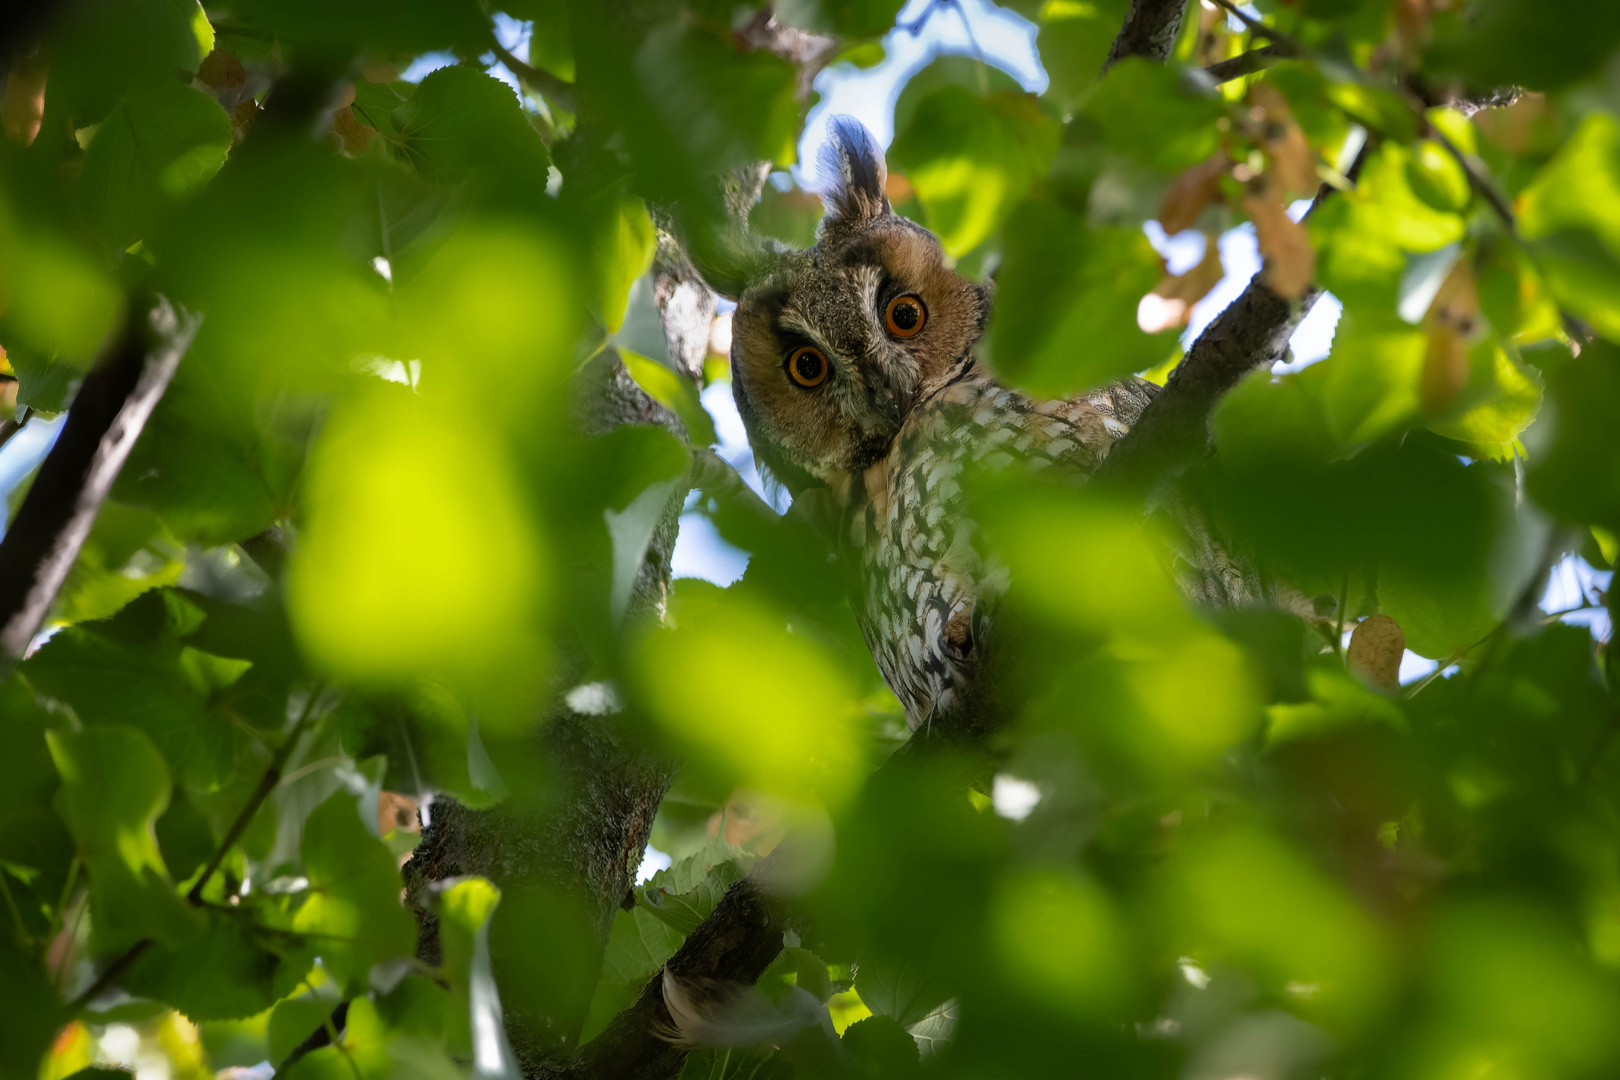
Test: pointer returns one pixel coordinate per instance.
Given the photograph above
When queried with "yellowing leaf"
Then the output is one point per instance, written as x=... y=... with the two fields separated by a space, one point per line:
x=1374 y=654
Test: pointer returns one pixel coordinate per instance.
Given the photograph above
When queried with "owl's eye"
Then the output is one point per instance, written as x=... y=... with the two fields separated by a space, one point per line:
x=807 y=366
x=905 y=315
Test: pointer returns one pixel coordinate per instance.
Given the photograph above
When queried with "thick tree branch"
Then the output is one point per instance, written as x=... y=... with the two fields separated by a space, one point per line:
x=107 y=415
x=734 y=944
x=1150 y=31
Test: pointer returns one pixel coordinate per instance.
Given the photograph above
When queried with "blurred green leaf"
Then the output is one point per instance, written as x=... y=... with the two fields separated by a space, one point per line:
x=1524 y=43
x=1161 y=115
x=971 y=158
x=1577 y=475
x=161 y=142
x=1063 y=281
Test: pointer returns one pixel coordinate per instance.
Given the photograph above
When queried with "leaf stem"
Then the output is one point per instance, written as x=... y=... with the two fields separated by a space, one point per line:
x=267 y=784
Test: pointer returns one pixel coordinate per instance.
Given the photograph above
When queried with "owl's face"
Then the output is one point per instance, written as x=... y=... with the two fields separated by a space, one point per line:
x=833 y=347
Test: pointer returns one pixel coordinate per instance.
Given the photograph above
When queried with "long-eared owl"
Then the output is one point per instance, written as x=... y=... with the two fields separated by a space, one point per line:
x=853 y=366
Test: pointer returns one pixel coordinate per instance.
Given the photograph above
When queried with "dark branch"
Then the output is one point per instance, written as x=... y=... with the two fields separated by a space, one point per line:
x=1248 y=63
x=107 y=415
x=735 y=944
x=1150 y=31
x=553 y=89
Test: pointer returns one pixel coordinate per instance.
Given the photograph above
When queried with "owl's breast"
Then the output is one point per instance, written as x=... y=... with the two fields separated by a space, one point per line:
x=926 y=592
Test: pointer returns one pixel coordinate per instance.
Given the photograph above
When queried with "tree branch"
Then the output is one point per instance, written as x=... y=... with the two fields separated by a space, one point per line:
x=1248 y=63
x=1150 y=31
x=734 y=944
x=551 y=88
x=107 y=415
x=1251 y=332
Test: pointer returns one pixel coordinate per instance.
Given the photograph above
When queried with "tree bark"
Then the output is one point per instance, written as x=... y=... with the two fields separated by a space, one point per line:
x=112 y=406
x=1150 y=31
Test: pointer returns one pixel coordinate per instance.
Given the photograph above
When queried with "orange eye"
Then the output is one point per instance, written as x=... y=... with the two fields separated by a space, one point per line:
x=905 y=315
x=807 y=366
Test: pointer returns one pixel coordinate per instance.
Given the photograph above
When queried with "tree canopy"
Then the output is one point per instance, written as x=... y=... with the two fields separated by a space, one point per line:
x=382 y=401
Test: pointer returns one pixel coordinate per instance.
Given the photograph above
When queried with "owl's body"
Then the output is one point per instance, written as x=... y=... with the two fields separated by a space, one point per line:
x=853 y=367
x=927 y=594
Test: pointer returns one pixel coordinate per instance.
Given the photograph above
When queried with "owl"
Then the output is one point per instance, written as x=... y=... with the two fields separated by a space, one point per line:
x=853 y=367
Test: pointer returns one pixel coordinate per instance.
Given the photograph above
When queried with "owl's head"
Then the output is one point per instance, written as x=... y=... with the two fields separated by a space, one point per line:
x=832 y=347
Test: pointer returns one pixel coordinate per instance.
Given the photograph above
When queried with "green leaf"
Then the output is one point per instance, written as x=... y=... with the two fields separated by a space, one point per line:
x=32 y=1011
x=221 y=975
x=126 y=554
x=1074 y=40
x=905 y=993
x=638 y=946
x=971 y=158
x=622 y=242
x=114 y=786
x=881 y=1047
x=722 y=105
x=353 y=913
x=1580 y=187
x=110 y=682
x=1061 y=282
x=1577 y=476
x=294 y=1020
x=461 y=121
x=675 y=392
x=1157 y=114
x=842 y=18
x=1525 y=42
x=210 y=465
x=161 y=142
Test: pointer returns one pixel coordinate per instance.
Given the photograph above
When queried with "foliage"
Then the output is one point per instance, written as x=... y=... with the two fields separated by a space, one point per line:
x=363 y=534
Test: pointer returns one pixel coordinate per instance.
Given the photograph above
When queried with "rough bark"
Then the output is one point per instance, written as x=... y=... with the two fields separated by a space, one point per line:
x=1150 y=31
x=109 y=411
x=586 y=841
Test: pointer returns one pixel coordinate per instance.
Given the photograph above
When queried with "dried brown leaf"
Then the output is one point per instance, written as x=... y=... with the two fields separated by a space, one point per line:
x=1190 y=192
x=396 y=811
x=1290 y=259
x=1170 y=304
x=222 y=70
x=1291 y=165
x=355 y=135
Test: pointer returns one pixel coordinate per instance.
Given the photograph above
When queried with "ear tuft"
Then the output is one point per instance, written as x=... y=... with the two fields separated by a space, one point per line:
x=852 y=176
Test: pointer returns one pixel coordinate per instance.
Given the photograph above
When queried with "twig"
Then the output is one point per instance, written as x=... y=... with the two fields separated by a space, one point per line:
x=109 y=976
x=553 y=89
x=267 y=784
x=1260 y=29
x=1247 y=63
